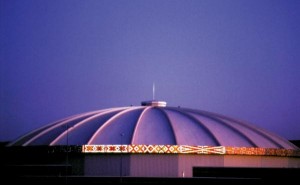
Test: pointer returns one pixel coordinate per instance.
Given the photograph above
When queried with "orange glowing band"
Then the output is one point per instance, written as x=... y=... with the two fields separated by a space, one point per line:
x=187 y=149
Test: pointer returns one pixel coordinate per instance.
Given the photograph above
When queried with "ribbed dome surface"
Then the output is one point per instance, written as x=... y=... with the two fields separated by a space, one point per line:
x=157 y=125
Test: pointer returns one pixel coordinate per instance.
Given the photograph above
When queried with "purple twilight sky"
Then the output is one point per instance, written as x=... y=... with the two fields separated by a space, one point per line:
x=234 y=57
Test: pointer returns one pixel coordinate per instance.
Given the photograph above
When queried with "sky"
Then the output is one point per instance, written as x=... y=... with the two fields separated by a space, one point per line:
x=238 y=58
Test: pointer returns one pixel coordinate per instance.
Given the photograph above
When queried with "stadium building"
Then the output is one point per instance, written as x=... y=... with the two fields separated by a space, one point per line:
x=155 y=140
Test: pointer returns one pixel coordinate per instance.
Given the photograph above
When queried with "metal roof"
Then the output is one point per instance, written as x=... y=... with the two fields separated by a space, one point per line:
x=153 y=124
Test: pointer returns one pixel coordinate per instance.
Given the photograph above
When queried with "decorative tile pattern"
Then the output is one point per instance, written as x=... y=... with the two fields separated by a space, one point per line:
x=167 y=149
x=262 y=151
x=187 y=149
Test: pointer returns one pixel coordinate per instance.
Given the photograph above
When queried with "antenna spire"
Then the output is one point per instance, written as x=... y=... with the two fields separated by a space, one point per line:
x=153 y=91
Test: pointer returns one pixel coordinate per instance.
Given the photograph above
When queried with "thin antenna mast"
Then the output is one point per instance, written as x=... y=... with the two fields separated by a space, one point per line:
x=153 y=91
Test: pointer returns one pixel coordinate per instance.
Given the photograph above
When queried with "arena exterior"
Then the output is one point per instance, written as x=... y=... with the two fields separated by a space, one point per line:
x=154 y=140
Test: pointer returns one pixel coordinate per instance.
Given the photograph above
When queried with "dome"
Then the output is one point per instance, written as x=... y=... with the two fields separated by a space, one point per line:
x=152 y=123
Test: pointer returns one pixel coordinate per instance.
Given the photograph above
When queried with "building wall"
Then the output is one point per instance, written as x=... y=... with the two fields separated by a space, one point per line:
x=106 y=165
x=174 y=165
x=261 y=161
x=187 y=162
x=154 y=165
x=294 y=162
x=242 y=161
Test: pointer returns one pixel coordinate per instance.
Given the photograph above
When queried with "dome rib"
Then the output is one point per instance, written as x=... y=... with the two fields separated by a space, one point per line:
x=215 y=140
x=99 y=130
x=224 y=124
x=171 y=125
x=23 y=139
x=58 y=125
x=261 y=133
x=252 y=128
x=137 y=125
x=70 y=129
x=153 y=128
x=232 y=128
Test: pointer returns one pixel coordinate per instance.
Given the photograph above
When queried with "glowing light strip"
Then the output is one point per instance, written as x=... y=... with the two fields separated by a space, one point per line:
x=262 y=151
x=187 y=149
x=168 y=149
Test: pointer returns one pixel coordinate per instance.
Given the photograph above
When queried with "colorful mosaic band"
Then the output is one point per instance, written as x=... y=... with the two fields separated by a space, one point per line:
x=187 y=149
x=262 y=151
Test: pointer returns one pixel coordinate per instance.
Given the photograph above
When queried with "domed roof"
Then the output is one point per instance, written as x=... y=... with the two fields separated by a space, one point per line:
x=153 y=123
